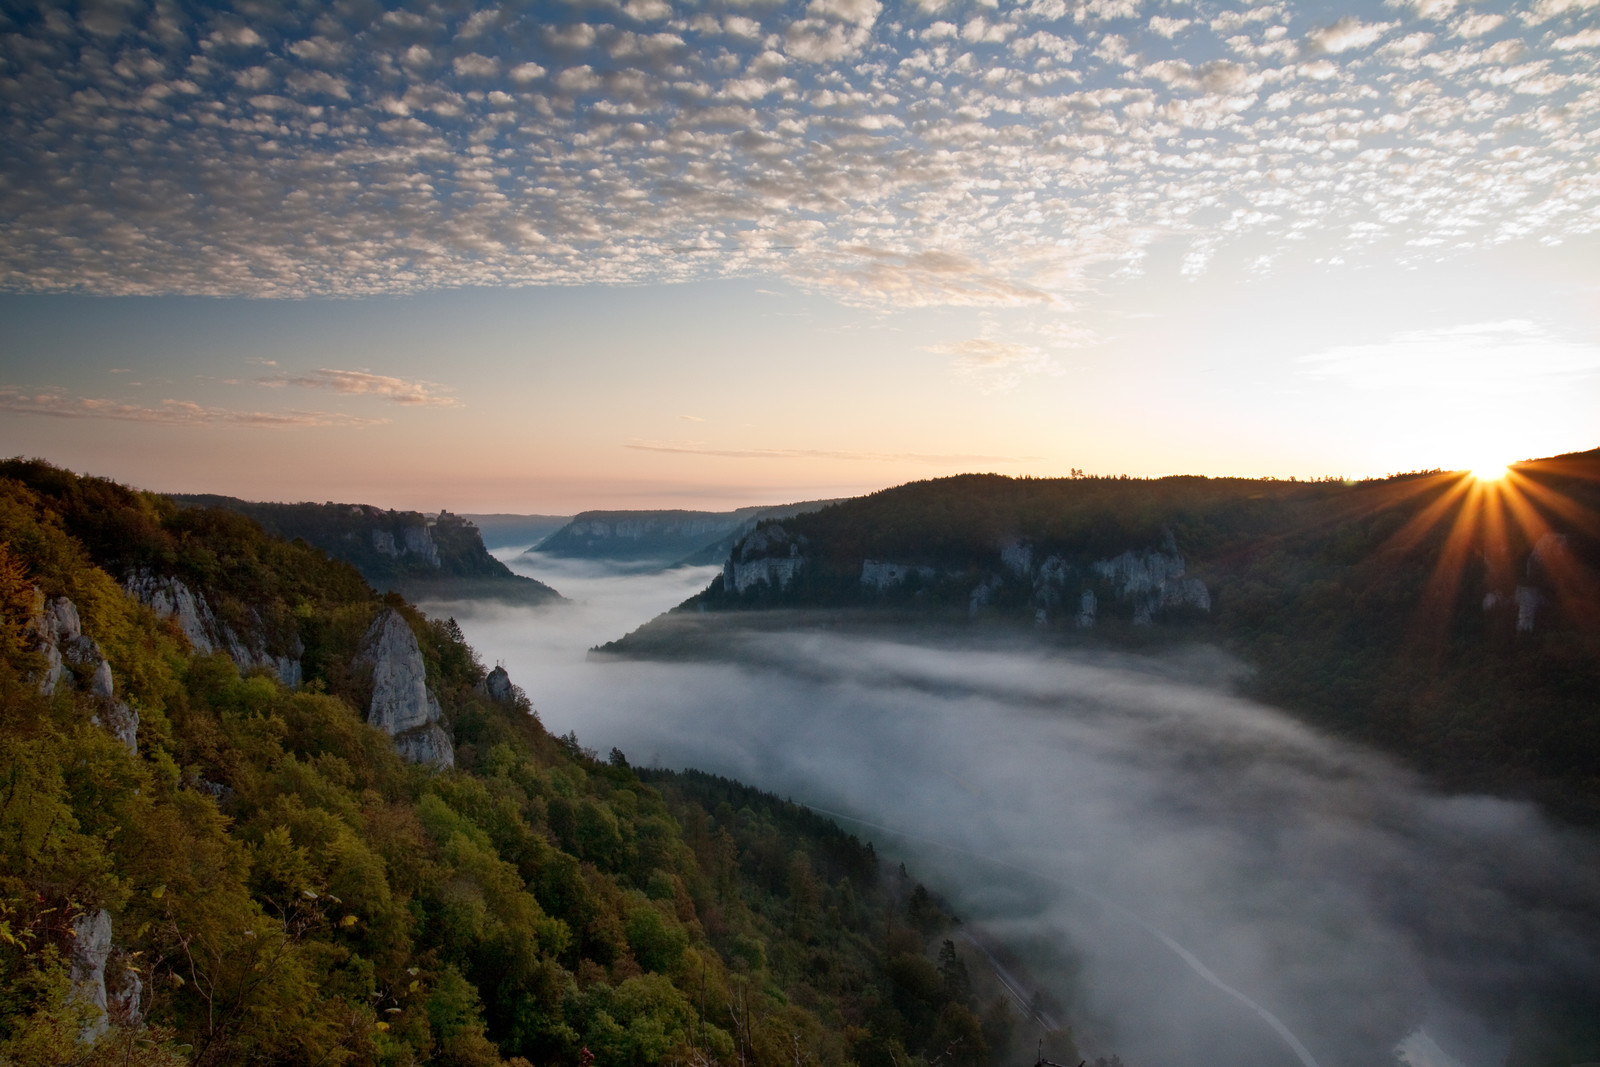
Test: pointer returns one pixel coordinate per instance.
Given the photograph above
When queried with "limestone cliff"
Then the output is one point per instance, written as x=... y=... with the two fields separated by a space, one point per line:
x=498 y=687
x=767 y=556
x=420 y=555
x=1151 y=581
x=1066 y=586
x=402 y=705
x=73 y=660
x=171 y=598
x=91 y=948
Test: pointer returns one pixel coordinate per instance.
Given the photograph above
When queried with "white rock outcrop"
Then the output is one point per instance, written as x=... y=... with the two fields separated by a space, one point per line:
x=402 y=705
x=173 y=599
x=1529 y=600
x=497 y=687
x=91 y=948
x=1087 y=606
x=419 y=542
x=1152 y=581
x=430 y=746
x=414 y=540
x=1017 y=558
x=768 y=555
x=982 y=594
x=73 y=659
x=102 y=978
x=777 y=572
x=880 y=576
x=125 y=1001
x=1052 y=573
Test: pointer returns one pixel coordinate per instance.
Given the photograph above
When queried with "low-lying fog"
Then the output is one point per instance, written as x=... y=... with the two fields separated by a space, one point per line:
x=1165 y=830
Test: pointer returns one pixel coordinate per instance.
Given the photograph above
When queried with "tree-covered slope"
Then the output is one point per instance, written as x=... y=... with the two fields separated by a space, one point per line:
x=1453 y=621
x=516 y=531
x=662 y=538
x=419 y=556
x=259 y=877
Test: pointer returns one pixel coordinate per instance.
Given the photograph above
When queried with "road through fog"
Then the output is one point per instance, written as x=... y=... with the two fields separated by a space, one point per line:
x=1105 y=816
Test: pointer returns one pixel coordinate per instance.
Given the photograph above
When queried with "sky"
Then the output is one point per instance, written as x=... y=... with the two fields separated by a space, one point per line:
x=546 y=257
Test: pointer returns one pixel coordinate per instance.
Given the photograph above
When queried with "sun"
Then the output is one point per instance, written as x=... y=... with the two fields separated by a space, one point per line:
x=1487 y=468
x=1489 y=472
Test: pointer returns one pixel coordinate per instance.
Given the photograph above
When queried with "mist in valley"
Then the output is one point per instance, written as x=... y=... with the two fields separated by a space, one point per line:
x=1199 y=879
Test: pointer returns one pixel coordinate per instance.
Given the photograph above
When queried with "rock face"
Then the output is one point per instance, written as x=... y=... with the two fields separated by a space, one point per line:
x=778 y=573
x=1087 y=606
x=402 y=704
x=73 y=660
x=91 y=948
x=102 y=977
x=419 y=543
x=125 y=996
x=416 y=539
x=498 y=688
x=1548 y=567
x=175 y=600
x=1061 y=587
x=982 y=594
x=1148 y=581
x=881 y=576
x=768 y=555
x=1017 y=558
x=1152 y=581
x=1528 y=600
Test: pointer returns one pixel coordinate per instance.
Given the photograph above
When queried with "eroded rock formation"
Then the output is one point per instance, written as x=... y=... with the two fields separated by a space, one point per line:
x=207 y=634
x=497 y=687
x=402 y=705
x=73 y=659
x=1152 y=581
x=768 y=555
x=102 y=978
x=91 y=948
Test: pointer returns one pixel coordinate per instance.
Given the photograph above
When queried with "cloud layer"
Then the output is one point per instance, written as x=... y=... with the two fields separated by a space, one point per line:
x=363 y=383
x=918 y=155
x=60 y=404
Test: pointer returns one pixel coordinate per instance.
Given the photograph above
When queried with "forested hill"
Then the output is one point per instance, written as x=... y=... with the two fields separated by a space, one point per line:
x=1452 y=620
x=516 y=531
x=389 y=861
x=419 y=556
x=662 y=538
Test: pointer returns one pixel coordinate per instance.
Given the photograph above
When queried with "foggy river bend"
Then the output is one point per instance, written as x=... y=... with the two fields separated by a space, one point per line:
x=1358 y=906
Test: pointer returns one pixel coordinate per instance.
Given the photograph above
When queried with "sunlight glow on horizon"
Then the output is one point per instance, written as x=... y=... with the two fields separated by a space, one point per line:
x=1490 y=471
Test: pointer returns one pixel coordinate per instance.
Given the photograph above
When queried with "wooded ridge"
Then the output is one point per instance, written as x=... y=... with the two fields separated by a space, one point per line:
x=208 y=865
x=1450 y=620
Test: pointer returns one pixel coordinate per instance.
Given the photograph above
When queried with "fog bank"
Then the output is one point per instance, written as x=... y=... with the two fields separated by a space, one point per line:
x=1106 y=816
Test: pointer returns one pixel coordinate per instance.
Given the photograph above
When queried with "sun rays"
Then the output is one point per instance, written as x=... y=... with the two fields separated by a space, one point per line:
x=1501 y=517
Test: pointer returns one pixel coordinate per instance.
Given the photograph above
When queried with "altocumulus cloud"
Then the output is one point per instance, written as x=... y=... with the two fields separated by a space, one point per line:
x=363 y=383
x=897 y=155
x=59 y=404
